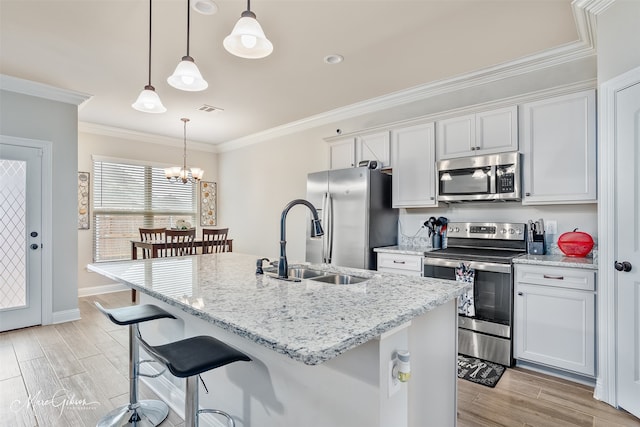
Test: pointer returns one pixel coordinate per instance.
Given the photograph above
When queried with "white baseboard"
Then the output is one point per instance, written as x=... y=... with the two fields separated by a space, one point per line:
x=104 y=289
x=66 y=316
x=578 y=378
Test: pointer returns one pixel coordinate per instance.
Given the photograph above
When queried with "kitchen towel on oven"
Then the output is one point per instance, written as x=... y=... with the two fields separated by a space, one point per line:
x=466 y=301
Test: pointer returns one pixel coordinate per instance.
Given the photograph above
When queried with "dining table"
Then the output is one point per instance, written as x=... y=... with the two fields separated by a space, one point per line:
x=155 y=246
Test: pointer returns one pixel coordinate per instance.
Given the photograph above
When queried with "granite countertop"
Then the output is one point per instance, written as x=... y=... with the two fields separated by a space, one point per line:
x=558 y=260
x=404 y=249
x=308 y=321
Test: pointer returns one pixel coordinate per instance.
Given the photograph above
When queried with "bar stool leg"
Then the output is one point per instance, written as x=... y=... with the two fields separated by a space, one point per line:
x=145 y=413
x=191 y=402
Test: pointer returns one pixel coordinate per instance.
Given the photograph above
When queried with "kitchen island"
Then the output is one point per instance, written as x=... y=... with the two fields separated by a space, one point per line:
x=322 y=353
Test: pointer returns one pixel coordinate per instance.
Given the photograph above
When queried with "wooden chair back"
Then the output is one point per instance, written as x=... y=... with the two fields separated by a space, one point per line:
x=153 y=235
x=180 y=242
x=214 y=240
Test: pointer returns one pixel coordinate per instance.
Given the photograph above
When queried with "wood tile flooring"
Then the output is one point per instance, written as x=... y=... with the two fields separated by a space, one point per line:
x=89 y=358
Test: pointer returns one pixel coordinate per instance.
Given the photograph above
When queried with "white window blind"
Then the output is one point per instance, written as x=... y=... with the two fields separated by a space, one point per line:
x=129 y=196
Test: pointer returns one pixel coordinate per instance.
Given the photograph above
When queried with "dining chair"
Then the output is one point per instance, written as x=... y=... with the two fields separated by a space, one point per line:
x=153 y=235
x=180 y=242
x=214 y=240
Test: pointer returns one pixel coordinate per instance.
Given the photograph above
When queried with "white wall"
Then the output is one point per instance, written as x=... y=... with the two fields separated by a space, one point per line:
x=256 y=182
x=119 y=147
x=618 y=39
x=32 y=117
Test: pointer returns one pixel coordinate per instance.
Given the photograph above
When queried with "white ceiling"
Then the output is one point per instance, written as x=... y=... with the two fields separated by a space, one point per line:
x=100 y=48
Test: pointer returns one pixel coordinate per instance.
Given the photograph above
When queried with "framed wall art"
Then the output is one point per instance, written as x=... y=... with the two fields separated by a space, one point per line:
x=207 y=203
x=84 y=183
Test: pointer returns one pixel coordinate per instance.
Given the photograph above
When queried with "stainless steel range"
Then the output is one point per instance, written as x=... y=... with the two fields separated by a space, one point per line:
x=488 y=249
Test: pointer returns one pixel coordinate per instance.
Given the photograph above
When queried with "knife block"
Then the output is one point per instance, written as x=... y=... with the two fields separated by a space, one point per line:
x=536 y=248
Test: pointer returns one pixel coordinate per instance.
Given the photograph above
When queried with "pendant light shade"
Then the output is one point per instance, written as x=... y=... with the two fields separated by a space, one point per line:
x=247 y=40
x=148 y=101
x=186 y=75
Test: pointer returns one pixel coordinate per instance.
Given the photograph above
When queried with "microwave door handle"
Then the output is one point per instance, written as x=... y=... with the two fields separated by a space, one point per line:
x=492 y=180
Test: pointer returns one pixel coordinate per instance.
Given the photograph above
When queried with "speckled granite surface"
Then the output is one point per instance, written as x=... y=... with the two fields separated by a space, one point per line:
x=588 y=263
x=404 y=249
x=308 y=321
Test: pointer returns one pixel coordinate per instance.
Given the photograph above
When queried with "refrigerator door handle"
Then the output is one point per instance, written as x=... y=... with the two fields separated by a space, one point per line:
x=323 y=219
x=329 y=214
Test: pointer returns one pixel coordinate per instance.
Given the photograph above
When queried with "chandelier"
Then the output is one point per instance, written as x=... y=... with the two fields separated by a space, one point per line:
x=177 y=173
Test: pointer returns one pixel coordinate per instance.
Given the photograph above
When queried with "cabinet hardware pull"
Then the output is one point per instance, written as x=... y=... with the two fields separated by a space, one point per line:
x=527 y=194
x=547 y=276
x=520 y=293
x=398 y=262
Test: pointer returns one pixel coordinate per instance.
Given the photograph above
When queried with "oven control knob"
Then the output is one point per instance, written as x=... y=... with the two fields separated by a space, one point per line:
x=504 y=231
x=512 y=231
x=457 y=230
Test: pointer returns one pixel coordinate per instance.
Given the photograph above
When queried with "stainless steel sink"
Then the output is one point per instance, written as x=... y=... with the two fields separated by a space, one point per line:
x=339 y=279
x=298 y=272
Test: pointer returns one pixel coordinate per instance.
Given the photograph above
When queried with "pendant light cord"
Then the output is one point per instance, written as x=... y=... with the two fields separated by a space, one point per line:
x=150 y=42
x=188 y=27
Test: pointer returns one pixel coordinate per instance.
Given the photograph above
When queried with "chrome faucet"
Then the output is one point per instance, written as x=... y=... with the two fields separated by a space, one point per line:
x=316 y=231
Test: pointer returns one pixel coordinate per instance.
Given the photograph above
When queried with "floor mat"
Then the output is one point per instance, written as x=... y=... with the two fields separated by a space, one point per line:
x=479 y=371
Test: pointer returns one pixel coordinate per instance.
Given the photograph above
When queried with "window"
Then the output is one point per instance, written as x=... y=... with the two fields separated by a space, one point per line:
x=130 y=196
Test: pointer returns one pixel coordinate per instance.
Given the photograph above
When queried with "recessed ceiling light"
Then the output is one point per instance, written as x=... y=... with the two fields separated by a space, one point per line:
x=205 y=7
x=333 y=59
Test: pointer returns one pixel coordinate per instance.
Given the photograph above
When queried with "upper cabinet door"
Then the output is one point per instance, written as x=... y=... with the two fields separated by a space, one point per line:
x=374 y=146
x=497 y=131
x=487 y=132
x=414 y=175
x=559 y=149
x=342 y=154
x=456 y=136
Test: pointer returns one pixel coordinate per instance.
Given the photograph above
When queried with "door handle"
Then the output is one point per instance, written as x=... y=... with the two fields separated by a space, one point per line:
x=623 y=266
x=34 y=246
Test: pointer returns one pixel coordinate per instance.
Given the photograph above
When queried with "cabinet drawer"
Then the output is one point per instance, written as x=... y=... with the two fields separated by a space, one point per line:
x=561 y=277
x=400 y=262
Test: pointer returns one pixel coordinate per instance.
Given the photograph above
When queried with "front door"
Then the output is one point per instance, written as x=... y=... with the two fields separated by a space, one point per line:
x=627 y=208
x=20 y=249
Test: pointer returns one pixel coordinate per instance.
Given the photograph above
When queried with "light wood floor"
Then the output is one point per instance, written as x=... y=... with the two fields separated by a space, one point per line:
x=88 y=359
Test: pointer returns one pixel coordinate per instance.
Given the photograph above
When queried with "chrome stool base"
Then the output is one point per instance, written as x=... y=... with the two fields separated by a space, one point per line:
x=148 y=413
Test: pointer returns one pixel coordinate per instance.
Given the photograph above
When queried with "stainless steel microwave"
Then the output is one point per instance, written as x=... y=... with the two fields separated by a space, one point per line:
x=480 y=178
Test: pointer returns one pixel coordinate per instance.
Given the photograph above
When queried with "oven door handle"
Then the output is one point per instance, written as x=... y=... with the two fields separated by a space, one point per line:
x=482 y=266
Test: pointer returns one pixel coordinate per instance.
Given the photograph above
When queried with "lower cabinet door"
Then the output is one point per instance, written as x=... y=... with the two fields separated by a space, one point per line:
x=555 y=327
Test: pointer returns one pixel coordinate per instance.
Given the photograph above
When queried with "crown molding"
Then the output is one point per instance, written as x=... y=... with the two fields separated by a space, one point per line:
x=41 y=90
x=584 y=12
x=115 y=132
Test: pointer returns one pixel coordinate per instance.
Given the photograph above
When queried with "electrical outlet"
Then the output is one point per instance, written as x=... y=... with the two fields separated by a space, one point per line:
x=551 y=226
x=394 y=383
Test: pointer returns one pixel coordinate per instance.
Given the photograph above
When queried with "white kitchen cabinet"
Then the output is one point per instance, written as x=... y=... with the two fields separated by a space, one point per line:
x=348 y=152
x=409 y=265
x=342 y=154
x=554 y=317
x=373 y=146
x=559 y=150
x=486 y=132
x=414 y=174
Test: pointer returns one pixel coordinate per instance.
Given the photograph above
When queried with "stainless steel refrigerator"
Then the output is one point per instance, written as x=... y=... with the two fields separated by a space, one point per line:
x=354 y=206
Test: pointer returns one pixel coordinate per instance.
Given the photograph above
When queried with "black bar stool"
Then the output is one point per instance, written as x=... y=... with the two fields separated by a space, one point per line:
x=190 y=357
x=144 y=412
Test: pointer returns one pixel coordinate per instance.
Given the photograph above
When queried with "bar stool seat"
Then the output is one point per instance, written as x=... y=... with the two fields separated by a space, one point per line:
x=190 y=357
x=137 y=413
